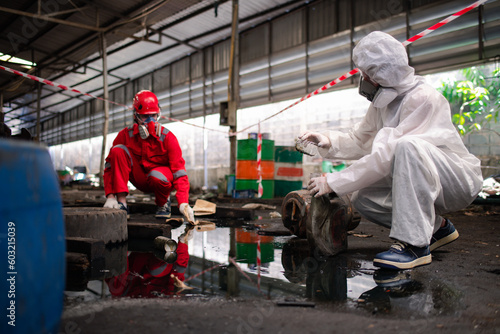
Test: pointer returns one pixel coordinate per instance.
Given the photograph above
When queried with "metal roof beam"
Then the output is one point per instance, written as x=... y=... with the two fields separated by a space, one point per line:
x=186 y=42
x=50 y=19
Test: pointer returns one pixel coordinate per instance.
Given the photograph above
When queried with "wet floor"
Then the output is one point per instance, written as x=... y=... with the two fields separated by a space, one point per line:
x=224 y=263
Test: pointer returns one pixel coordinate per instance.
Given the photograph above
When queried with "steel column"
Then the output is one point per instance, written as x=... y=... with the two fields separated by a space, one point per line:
x=106 y=106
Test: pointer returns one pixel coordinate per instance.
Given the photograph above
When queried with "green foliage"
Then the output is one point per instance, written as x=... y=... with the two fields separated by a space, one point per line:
x=474 y=101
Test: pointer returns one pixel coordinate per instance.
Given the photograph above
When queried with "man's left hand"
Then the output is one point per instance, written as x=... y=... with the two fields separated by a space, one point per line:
x=318 y=186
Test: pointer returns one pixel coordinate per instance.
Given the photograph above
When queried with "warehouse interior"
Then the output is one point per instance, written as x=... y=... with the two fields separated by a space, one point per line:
x=182 y=51
x=224 y=72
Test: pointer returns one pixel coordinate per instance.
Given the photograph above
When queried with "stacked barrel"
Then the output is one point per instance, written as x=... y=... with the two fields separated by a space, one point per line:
x=247 y=173
x=287 y=170
x=246 y=247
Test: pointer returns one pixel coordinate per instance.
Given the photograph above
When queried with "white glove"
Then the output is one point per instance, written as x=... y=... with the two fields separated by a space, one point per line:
x=318 y=186
x=187 y=211
x=111 y=203
x=316 y=138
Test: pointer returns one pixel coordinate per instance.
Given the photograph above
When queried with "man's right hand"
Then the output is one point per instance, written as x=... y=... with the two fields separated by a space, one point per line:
x=316 y=138
x=187 y=211
x=111 y=203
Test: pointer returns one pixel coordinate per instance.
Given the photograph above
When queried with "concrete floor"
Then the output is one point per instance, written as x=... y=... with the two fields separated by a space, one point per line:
x=457 y=293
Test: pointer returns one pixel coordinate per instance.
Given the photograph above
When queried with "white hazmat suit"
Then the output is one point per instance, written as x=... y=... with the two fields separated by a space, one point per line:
x=411 y=163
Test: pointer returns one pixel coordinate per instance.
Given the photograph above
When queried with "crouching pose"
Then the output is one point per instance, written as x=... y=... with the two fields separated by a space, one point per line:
x=149 y=156
x=411 y=165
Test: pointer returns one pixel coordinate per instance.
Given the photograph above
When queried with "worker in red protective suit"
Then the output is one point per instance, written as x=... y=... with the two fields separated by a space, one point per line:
x=149 y=156
x=148 y=276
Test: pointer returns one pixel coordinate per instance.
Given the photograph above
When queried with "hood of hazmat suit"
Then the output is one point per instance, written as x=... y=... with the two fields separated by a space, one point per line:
x=385 y=61
x=414 y=111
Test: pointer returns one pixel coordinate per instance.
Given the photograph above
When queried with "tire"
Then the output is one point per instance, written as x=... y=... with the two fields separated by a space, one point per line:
x=109 y=225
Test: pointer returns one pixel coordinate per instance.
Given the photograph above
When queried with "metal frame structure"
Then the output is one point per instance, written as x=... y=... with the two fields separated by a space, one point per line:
x=285 y=50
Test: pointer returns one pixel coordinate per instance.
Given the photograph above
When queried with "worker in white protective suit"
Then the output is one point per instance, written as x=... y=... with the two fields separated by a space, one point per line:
x=411 y=165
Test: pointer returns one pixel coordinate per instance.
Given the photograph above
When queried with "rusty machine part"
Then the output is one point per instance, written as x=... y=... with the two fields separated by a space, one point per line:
x=353 y=216
x=324 y=221
x=294 y=212
x=327 y=224
x=296 y=207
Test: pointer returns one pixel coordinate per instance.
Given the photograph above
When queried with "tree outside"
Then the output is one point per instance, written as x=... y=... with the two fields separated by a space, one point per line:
x=474 y=99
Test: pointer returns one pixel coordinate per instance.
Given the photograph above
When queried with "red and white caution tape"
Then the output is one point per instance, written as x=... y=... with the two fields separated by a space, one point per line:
x=317 y=91
x=259 y=263
x=260 y=188
x=443 y=22
x=187 y=123
x=232 y=260
x=356 y=70
x=55 y=84
x=202 y=272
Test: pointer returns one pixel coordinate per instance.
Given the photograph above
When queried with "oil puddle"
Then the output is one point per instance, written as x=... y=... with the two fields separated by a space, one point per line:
x=238 y=262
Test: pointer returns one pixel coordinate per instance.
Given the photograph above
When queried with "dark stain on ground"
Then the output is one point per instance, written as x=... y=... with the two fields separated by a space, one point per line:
x=458 y=291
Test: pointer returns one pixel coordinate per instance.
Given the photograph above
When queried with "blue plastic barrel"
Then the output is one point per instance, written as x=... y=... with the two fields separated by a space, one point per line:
x=32 y=243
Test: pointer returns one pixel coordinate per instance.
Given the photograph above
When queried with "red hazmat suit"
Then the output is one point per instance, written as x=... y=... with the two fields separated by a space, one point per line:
x=153 y=165
x=147 y=276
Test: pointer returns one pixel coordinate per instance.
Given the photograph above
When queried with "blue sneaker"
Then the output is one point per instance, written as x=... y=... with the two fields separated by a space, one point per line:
x=164 y=212
x=123 y=207
x=443 y=236
x=403 y=256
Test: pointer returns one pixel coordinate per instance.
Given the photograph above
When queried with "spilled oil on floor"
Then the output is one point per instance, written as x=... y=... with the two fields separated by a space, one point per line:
x=240 y=262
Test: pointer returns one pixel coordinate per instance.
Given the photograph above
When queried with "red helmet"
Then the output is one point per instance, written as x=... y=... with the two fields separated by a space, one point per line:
x=145 y=103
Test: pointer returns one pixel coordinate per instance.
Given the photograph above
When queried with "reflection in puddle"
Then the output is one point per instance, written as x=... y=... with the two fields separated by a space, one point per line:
x=239 y=262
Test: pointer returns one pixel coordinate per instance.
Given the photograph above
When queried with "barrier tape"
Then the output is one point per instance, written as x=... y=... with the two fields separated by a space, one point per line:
x=202 y=272
x=317 y=91
x=356 y=70
x=259 y=262
x=231 y=259
x=55 y=84
x=187 y=123
x=260 y=189
x=443 y=22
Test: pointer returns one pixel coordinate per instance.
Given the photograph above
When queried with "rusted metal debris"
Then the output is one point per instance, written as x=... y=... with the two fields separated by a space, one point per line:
x=324 y=221
x=295 y=210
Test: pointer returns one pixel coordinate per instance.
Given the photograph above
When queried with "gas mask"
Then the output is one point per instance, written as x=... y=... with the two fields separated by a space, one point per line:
x=379 y=96
x=148 y=126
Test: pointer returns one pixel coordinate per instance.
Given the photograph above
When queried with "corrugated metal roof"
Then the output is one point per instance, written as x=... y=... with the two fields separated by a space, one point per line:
x=70 y=55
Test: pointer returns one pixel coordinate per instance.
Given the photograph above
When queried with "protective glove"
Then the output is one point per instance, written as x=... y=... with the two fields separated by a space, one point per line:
x=318 y=186
x=316 y=138
x=186 y=235
x=187 y=211
x=111 y=203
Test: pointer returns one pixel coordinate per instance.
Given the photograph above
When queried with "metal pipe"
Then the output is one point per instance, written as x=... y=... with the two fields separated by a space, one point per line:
x=38 y=109
x=50 y=19
x=233 y=90
x=205 y=132
x=106 y=106
x=481 y=32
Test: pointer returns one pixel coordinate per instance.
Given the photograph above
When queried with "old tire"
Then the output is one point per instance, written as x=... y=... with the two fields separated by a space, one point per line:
x=109 y=225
